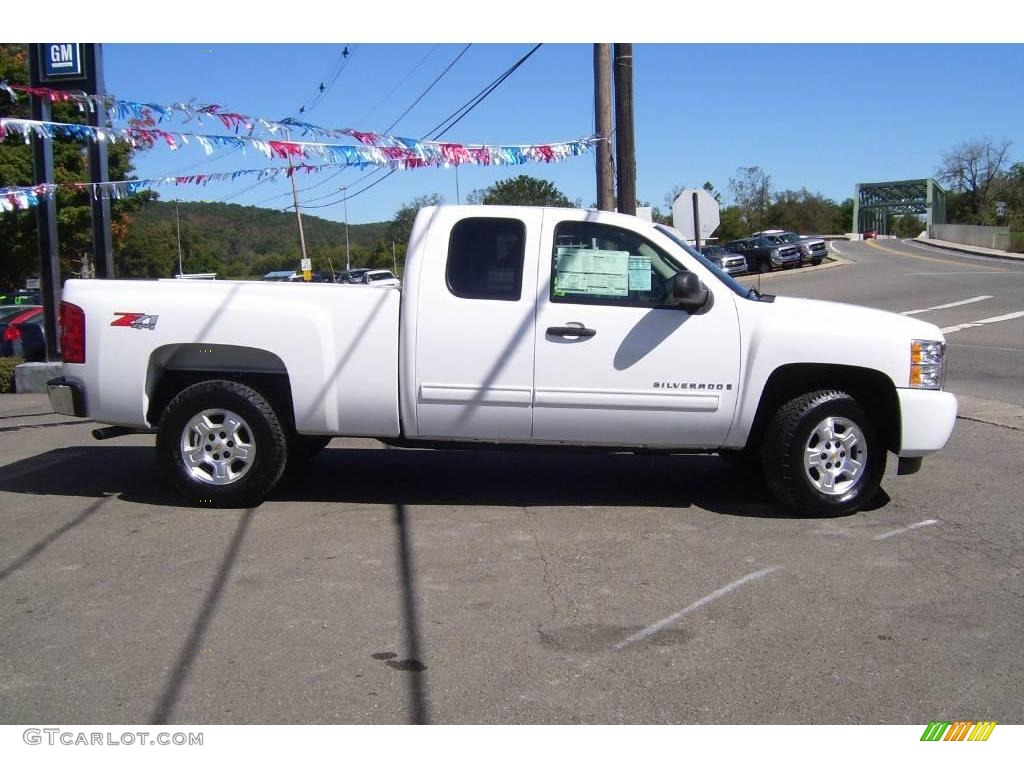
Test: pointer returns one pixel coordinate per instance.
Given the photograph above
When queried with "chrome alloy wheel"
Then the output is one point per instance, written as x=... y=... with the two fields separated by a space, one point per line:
x=217 y=447
x=835 y=456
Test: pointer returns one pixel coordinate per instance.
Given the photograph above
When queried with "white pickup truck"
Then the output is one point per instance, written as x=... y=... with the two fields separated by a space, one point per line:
x=514 y=326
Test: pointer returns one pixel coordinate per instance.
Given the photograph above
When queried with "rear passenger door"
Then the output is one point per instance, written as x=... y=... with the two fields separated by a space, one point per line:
x=475 y=329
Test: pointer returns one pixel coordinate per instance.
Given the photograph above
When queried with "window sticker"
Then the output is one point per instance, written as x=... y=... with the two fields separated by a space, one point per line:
x=639 y=273
x=592 y=272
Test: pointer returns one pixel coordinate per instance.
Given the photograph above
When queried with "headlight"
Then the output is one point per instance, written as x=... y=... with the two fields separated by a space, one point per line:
x=927 y=364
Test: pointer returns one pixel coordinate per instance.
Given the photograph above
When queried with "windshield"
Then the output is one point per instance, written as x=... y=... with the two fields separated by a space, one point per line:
x=738 y=288
x=789 y=237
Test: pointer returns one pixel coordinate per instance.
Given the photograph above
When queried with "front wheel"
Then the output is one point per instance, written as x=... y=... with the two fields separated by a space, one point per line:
x=822 y=454
x=764 y=266
x=222 y=444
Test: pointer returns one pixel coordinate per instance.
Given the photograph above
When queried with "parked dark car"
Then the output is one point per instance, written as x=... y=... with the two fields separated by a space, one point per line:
x=762 y=254
x=10 y=330
x=728 y=262
x=29 y=340
x=357 y=275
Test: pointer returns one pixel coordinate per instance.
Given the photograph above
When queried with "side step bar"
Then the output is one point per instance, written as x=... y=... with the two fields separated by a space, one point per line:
x=105 y=433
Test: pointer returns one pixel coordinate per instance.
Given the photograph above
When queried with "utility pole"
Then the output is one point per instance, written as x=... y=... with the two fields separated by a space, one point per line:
x=298 y=215
x=177 y=219
x=348 y=255
x=603 y=126
x=625 y=143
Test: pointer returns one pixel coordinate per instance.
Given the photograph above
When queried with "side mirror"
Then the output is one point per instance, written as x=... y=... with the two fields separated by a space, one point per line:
x=688 y=292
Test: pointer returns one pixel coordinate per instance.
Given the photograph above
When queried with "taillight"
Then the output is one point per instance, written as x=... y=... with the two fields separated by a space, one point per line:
x=72 y=332
x=12 y=334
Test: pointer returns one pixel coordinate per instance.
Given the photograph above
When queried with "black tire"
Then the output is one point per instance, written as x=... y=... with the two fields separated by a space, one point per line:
x=789 y=435
x=764 y=266
x=261 y=428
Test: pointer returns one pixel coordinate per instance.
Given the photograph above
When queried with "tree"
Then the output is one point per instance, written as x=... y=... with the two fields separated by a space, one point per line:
x=978 y=170
x=710 y=188
x=522 y=190
x=401 y=226
x=19 y=256
x=751 y=192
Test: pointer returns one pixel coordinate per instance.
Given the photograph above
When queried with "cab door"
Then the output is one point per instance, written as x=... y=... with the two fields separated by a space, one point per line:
x=474 y=330
x=616 y=364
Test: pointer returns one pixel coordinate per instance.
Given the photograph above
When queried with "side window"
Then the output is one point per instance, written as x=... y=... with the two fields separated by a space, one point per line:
x=601 y=264
x=485 y=259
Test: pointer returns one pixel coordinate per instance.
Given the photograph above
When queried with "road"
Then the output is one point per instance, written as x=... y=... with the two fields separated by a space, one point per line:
x=397 y=586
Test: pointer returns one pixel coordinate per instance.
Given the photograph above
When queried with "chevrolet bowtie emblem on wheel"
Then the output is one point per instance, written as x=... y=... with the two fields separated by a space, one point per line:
x=958 y=730
x=136 y=320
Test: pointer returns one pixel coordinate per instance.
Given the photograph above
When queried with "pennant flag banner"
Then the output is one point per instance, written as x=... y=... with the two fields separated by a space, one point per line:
x=18 y=198
x=118 y=109
x=411 y=154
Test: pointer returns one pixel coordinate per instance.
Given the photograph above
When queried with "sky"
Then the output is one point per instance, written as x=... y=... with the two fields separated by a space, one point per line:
x=818 y=115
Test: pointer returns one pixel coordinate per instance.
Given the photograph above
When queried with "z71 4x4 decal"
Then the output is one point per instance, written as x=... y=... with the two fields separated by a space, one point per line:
x=137 y=320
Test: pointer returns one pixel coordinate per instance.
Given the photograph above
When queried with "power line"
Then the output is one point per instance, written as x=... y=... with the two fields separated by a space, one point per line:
x=429 y=87
x=390 y=93
x=465 y=109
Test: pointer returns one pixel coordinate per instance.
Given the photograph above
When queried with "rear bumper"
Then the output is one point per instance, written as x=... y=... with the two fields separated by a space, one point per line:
x=926 y=418
x=66 y=397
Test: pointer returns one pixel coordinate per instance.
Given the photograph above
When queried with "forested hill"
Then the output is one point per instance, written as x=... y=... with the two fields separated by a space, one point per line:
x=239 y=241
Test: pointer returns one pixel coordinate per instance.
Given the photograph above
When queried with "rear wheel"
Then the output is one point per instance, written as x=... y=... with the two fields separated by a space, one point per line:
x=822 y=455
x=222 y=444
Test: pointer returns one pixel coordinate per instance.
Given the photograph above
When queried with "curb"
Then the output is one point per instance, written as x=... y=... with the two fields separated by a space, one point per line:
x=946 y=246
x=830 y=261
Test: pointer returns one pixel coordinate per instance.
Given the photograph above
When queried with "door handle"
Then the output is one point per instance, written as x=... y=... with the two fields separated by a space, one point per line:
x=571 y=330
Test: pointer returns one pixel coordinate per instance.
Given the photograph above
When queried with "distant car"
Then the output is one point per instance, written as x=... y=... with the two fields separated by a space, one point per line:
x=728 y=262
x=10 y=332
x=812 y=249
x=870 y=234
x=380 y=277
x=24 y=298
x=762 y=254
x=283 y=276
x=356 y=275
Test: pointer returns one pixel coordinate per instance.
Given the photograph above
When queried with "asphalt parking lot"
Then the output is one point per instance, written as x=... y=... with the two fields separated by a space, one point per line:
x=387 y=586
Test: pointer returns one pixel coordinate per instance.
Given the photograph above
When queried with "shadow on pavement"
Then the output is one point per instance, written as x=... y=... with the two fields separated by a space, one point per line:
x=453 y=478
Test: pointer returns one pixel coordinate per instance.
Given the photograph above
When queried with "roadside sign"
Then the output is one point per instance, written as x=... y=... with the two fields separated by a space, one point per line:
x=682 y=213
x=307 y=275
x=62 y=61
x=32 y=284
x=307 y=265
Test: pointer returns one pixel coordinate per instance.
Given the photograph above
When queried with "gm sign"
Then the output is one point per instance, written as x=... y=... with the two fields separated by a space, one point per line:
x=61 y=61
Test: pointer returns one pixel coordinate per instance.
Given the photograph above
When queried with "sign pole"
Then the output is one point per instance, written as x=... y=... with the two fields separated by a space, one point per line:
x=102 y=247
x=696 y=222
x=46 y=214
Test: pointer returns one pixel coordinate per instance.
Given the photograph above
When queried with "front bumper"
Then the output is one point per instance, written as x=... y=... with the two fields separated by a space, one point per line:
x=926 y=421
x=66 y=397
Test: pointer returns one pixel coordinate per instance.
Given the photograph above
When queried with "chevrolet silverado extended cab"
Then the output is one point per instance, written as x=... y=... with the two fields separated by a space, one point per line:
x=514 y=326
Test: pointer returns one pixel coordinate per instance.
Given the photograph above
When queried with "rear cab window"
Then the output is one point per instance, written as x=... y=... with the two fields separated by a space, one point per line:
x=485 y=259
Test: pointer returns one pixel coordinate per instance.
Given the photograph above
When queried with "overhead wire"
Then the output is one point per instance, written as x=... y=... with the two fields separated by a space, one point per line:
x=442 y=127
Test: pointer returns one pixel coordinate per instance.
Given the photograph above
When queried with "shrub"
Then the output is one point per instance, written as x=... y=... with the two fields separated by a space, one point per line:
x=7 y=366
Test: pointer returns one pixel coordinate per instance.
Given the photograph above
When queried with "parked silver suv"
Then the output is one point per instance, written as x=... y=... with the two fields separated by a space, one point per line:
x=812 y=249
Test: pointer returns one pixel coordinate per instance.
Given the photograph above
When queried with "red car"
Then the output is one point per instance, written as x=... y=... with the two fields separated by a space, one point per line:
x=871 y=234
x=9 y=333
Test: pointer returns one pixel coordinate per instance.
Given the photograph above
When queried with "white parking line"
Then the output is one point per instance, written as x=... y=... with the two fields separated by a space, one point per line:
x=986 y=321
x=658 y=626
x=922 y=524
x=832 y=245
x=946 y=306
